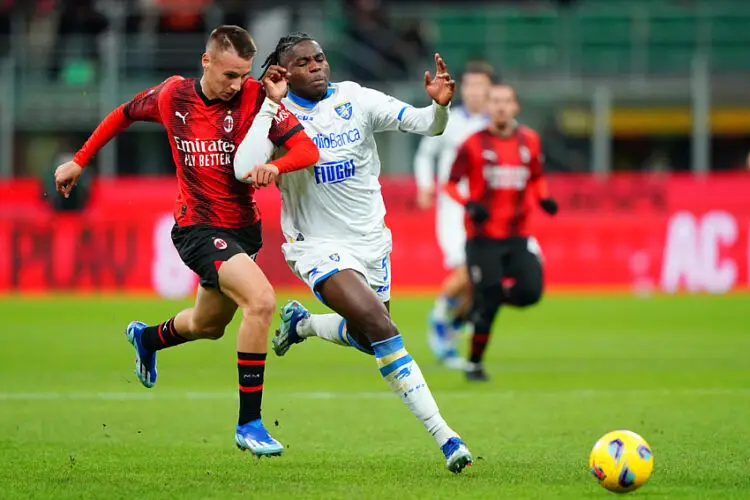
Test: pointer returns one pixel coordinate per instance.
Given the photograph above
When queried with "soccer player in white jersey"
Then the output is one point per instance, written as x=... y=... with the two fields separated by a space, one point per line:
x=437 y=153
x=333 y=221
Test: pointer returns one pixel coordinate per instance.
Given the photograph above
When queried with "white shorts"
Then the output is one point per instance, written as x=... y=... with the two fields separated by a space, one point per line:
x=314 y=260
x=451 y=232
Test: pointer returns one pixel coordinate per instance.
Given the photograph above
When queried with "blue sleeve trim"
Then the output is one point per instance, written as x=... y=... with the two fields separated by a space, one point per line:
x=401 y=113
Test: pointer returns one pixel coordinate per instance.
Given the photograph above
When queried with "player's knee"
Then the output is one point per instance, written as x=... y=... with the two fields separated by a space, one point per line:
x=490 y=298
x=376 y=324
x=261 y=304
x=527 y=294
x=484 y=308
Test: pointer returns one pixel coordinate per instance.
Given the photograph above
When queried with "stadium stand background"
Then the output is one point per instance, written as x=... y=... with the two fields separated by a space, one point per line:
x=66 y=62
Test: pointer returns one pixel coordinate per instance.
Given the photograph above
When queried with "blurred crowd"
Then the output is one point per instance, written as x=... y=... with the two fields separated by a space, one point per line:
x=73 y=29
x=70 y=31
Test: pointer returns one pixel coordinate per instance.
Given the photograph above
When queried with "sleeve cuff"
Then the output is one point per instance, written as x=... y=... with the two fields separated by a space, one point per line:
x=269 y=106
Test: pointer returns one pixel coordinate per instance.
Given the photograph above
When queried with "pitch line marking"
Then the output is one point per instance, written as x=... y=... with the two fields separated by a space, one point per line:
x=311 y=395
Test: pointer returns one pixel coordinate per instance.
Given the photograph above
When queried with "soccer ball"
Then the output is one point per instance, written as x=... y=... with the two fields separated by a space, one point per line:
x=621 y=461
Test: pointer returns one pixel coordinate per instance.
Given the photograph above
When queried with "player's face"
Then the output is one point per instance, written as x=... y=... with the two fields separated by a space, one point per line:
x=225 y=72
x=503 y=106
x=475 y=88
x=308 y=69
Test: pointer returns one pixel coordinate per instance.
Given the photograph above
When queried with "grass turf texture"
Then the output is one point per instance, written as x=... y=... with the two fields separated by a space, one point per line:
x=75 y=423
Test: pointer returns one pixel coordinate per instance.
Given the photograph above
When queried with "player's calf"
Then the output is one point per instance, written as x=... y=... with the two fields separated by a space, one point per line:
x=405 y=378
x=207 y=331
x=244 y=283
x=374 y=324
x=484 y=310
x=348 y=295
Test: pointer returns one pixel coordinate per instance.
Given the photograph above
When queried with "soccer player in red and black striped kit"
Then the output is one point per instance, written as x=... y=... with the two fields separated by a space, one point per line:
x=503 y=165
x=209 y=122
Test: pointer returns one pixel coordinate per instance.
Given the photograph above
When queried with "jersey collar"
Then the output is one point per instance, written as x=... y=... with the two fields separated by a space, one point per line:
x=204 y=97
x=307 y=103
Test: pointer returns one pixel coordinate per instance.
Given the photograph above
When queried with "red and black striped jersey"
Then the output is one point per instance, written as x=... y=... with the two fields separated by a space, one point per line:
x=204 y=135
x=502 y=173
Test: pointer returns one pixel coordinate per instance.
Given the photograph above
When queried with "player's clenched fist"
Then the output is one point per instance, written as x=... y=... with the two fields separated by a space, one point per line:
x=274 y=82
x=66 y=177
x=263 y=175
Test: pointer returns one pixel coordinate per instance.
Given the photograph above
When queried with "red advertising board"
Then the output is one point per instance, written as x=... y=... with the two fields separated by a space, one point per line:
x=640 y=232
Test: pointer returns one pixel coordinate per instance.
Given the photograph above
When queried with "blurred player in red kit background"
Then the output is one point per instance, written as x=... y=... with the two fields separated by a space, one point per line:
x=217 y=232
x=503 y=164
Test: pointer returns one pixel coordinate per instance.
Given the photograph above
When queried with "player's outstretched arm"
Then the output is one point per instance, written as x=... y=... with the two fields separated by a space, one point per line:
x=459 y=170
x=540 y=188
x=432 y=120
x=67 y=174
x=389 y=113
x=143 y=107
x=463 y=166
x=538 y=183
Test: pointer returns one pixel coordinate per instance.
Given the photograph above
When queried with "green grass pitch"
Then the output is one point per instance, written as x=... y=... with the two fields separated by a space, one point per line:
x=75 y=423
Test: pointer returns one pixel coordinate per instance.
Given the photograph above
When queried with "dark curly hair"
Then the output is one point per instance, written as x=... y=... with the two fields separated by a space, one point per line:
x=286 y=43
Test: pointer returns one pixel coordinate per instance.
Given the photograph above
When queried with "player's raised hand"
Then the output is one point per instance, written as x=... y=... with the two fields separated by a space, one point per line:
x=66 y=177
x=274 y=82
x=263 y=175
x=441 y=87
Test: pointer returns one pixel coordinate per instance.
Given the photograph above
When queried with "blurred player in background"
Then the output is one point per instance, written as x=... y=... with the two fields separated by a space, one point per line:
x=448 y=313
x=333 y=221
x=504 y=167
x=217 y=231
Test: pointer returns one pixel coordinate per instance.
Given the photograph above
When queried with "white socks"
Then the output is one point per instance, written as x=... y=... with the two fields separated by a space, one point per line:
x=330 y=327
x=405 y=378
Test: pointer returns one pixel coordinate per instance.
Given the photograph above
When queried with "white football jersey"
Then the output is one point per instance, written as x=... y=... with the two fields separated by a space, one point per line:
x=340 y=196
x=444 y=148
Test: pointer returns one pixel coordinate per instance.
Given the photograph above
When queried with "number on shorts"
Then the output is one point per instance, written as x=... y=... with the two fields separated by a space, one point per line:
x=384 y=265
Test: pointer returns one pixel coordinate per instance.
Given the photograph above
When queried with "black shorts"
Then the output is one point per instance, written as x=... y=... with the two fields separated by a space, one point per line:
x=203 y=248
x=490 y=261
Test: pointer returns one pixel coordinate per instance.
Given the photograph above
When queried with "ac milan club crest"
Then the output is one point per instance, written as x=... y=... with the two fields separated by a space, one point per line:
x=220 y=244
x=228 y=123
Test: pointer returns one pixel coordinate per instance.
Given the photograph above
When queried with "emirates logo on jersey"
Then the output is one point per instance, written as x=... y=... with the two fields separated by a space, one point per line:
x=228 y=123
x=506 y=176
x=201 y=146
x=205 y=153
